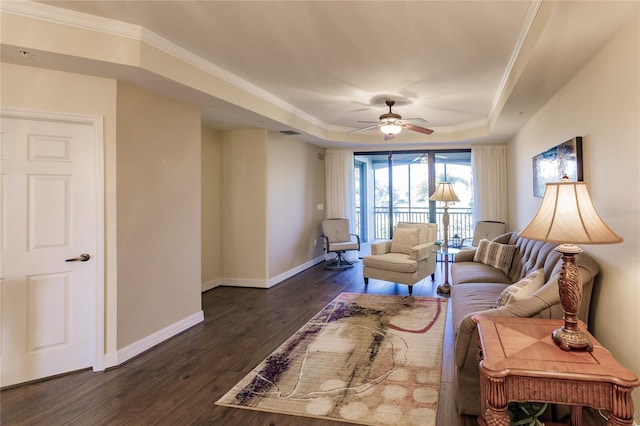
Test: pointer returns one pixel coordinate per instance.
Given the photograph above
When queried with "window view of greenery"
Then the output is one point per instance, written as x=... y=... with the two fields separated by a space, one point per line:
x=408 y=175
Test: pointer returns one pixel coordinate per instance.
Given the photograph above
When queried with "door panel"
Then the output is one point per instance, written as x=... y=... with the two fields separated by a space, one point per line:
x=49 y=205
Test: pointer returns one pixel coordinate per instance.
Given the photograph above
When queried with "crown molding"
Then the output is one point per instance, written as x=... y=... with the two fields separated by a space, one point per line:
x=509 y=77
x=85 y=21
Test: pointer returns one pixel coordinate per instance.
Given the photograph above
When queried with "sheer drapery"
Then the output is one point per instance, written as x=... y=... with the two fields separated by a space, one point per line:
x=339 y=188
x=339 y=184
x=489 y=168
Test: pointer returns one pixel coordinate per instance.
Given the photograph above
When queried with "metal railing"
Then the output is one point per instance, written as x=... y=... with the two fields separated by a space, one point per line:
x=460 y=221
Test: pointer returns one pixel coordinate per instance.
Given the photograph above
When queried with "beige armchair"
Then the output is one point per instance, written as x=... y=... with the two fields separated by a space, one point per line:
x=487 y=229
x=407 y=258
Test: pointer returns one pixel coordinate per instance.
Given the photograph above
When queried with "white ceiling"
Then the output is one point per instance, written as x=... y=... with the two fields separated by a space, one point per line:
x=475 y=70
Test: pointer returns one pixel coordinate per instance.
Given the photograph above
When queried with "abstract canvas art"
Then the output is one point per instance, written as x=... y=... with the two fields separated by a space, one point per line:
x=554 y=163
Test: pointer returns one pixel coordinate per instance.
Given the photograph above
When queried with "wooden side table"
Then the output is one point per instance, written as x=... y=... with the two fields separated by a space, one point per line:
x=520 y=362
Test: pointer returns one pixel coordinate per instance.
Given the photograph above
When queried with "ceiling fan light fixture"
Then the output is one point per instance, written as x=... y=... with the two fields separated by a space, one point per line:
x=390 y=129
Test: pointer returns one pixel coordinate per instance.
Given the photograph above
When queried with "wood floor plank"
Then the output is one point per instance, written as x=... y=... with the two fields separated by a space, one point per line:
x=178 y=381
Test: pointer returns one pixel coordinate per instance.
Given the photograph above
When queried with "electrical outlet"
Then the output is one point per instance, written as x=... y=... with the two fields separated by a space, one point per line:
x=315 y=242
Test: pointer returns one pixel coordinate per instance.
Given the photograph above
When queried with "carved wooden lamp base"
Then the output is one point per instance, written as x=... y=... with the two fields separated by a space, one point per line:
x=569 y=340
x=569 y=337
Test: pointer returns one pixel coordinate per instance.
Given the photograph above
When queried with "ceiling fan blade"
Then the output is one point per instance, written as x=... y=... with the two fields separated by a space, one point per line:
x=415 y=118
x=417 y=128
x=363 y=129
x=370 y=122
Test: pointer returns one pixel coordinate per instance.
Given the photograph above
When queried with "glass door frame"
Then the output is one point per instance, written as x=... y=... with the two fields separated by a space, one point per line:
x=431 y=182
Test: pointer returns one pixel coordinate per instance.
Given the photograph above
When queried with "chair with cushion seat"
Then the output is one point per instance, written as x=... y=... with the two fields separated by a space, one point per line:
x=487 y=229
x=407 y=258
x=338 y=240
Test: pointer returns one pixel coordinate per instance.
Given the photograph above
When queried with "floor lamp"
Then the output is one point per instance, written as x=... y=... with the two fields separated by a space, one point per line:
x=567 y=215
x=445 y=193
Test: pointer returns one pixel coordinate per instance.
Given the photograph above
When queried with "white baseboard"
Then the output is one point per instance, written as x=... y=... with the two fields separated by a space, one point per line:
x=278 y=279
x=259 y=283
x=142 y=345
x=244 y=282
x=208 y=285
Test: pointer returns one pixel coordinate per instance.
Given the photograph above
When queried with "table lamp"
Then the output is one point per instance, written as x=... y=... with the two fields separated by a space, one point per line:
x=445 y=193
x=567 y=215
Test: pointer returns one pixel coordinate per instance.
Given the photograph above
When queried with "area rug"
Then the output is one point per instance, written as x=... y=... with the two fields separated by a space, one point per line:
x=365 y=359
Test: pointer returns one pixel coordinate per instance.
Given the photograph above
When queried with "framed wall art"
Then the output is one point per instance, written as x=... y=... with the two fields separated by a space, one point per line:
x=551 y=165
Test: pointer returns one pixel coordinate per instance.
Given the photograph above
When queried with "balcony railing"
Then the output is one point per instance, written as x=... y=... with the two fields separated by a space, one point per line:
x=460 y=221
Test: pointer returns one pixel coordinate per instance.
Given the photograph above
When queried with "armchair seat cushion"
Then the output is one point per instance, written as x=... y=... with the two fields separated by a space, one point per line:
x=395 y=262
x=345 y=245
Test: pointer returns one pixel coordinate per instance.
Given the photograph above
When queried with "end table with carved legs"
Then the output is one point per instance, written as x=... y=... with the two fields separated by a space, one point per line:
x=520 y=362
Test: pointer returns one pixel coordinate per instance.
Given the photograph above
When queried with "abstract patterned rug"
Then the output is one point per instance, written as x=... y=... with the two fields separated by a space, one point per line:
x=365 y=359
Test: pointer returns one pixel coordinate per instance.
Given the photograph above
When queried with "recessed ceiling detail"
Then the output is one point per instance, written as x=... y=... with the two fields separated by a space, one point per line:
x=320 y=67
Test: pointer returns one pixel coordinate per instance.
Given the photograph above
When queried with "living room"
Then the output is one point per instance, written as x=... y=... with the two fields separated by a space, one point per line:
x=157 y=154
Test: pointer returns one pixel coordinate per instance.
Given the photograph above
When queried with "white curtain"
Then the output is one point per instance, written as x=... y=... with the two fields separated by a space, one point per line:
x=489 y=168
x=339 y=185
x=339 y=188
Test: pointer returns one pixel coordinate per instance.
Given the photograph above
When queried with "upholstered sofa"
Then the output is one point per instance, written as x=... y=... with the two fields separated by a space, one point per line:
x=405 y=259
x=532 y=281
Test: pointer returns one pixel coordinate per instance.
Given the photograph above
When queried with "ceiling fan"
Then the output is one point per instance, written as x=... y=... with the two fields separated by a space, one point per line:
x=391 y=124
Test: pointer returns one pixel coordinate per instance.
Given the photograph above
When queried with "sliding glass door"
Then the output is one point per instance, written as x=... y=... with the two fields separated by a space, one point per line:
x=394 y=187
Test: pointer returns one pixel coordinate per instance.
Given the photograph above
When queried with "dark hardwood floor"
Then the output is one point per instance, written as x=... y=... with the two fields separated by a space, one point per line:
x=178 y=381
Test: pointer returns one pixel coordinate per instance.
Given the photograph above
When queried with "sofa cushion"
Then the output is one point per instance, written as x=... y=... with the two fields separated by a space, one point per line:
x=427 y=232
x=473 y=272
x=396 y=262
x=472 y=298
x=404 y=239
x=523 y=288
x=495 y=254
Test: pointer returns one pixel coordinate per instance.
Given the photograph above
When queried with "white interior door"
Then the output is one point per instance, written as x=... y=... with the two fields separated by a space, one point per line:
x=48 y=183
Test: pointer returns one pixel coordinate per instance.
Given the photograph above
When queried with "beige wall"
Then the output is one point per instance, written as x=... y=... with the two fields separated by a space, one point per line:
x=42 y=89
x=295 y=185
x=244 y=216
x=158 y=194
x=601 y=104
x=266 y=188
x=211 y=208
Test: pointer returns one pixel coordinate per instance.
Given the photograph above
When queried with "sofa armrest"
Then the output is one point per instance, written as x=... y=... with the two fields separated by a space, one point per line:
x=464 y=256
x=381 y=247
x=467 y=337
x=541 y=304
x=422 y=251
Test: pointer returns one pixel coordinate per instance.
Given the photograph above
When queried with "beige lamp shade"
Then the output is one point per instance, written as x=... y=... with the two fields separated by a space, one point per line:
x=567 y=215
x=444 y=192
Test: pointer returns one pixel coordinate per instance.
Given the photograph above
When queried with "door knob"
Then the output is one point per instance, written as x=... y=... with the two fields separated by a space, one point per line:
x=83 y=258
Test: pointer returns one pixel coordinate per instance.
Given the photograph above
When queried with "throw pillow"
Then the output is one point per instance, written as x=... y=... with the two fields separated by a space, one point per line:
x=495 y=254
x=404 y=239
x=523 y=288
